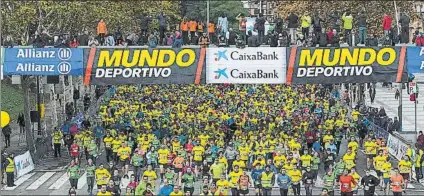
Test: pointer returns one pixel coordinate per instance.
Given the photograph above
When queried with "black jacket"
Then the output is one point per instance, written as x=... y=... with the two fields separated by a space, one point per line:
x=404 y=21
x=253 y=41
x=260 y=23
x=308 y=178
x=362 y=20
x=371 y=42
x=293 y=21
x=370 y=182
x=322 y=40
x=316 y=21
x=144 y=22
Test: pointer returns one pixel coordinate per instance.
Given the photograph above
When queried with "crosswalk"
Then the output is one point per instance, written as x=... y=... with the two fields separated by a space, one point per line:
x=52 y=181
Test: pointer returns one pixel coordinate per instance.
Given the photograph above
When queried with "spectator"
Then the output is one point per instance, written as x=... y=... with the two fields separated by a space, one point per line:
x=323 y=39
x=273 y=41
x=8 y=43
x=242 y=26
x=330 y=35
x=21 y=123
x=59 y=42
x=74 y=42
x=101 y=31
x=372 y=41
x=292 y=25
x=192 y=25
x=169 y=39
x=184 y=30
x=211 y=31
x=316 y=21
x=387 y=41
x=222 y=25
x=420 y=140
x=419 y=41
x=306 y=24
x=335 y=39
x=301 y=42
x=83 y=39
x=353 y=39
x=178 y=42
x=396 y=124
x=335 y=20
x=362 y=24
x=284 y=39
x=152 y=41
x=7 y=131
x=252 y=41
x=394 y=35
x=144 y=24
x=347 y=24
x=387 y=23
x=313 y=41
x=404 y=23
x=110 y=40
x=38 y=42
x=132 y=39
x=260 y=27
x=200 y=27
x=231 y=38
x=118 y=33
x=92 y=42
x=278 y=27
x=204 y=41
x=162 y=26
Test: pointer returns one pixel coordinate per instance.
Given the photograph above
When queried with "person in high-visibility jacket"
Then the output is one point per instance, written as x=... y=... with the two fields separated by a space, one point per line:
x=57 y=141
x=418 y=163
x=267 y=180
x=10 y=171
x=102 y=176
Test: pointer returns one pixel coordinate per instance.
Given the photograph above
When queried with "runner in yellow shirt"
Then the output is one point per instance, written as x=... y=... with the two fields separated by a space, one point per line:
x=163 y=154
x=124 y=153
x=198 y=151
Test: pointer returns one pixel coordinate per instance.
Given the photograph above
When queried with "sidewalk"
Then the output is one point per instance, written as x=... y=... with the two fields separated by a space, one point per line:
x=43 y=157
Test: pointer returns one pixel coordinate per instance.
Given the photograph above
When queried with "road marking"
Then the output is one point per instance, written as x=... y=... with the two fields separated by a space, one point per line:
x=41 y=180
x=82 y=181
x=59 y=182
x=18 y=182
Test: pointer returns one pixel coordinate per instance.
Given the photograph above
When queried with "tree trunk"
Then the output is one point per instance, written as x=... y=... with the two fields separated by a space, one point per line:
x=26 y=81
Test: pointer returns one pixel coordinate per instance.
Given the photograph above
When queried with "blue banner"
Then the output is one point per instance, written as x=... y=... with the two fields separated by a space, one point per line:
x=43 y=61
x=415 y=59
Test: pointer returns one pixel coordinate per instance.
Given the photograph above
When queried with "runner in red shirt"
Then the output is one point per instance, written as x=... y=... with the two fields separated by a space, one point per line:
x=346 y=182
x=75 y=152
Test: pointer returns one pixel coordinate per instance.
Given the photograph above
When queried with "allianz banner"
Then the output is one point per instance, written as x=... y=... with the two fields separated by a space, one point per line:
x=415 y=59
x=43 y=61
x=346 y=65
x=144 y=66
x=264 y=65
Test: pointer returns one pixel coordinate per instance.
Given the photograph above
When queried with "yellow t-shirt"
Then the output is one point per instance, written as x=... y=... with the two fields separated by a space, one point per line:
x=234 y=176
x=115 y=145
x=124 y=153
x=295 y=175
x=379 y=162
x=163 y=156
x=404 y=166
x=198 y=153
x=223 y=186
x=108 y=142
x=151 y=176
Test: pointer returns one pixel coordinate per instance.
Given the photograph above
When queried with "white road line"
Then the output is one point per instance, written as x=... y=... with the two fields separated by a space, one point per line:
x=18 y=182
x=59 y=182
x=82 y=181
x=41 y=180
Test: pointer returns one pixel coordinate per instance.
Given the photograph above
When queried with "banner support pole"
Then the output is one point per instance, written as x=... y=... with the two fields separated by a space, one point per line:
x=400 y=104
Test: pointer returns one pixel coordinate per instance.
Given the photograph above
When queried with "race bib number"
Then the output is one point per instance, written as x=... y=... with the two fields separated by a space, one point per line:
x=345 y=185
x=367 y=188
x=309 y=181
x=330 y=158
x=310 y=137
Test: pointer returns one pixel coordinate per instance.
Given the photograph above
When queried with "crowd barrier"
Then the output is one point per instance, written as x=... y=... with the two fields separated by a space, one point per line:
x=397 y=146
x=23 y=164
x=192 y=65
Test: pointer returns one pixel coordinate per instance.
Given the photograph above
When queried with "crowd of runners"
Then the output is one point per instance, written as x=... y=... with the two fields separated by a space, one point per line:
x=227 y=139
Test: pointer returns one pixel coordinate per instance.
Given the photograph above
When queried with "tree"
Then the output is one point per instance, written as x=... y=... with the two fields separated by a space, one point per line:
x=74 y=16
x=374 y=10
x=197 y=10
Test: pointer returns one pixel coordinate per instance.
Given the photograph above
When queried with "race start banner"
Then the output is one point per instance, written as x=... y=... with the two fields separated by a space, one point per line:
x=263 y=65
x=43 y=61
x=346 y=65
x=144 y=66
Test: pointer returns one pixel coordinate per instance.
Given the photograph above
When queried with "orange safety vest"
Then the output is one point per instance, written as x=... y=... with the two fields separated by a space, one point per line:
x=184 y=26
x=211 y=28
x=193 y=25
